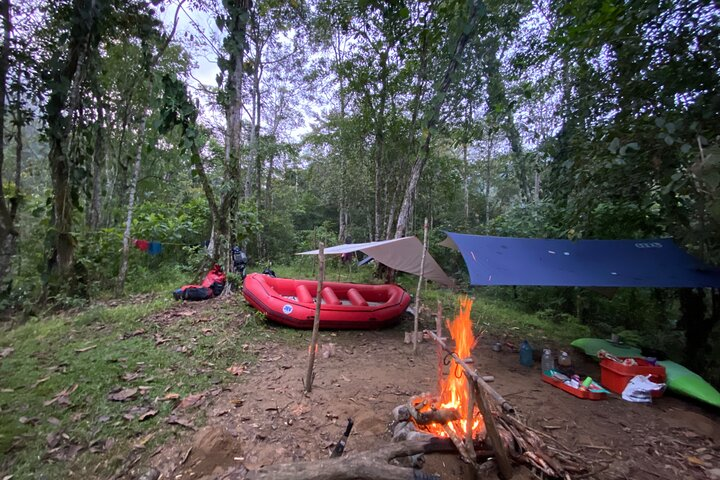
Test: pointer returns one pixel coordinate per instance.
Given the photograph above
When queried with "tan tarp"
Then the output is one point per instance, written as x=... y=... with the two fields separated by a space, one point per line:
x=403 y=254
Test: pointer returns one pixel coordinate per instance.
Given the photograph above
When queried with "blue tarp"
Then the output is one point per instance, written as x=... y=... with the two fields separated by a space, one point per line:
x=581 y=263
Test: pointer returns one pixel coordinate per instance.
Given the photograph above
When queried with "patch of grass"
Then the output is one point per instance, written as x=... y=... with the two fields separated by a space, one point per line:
x=195 y=344
x=504 y=317
x=498 y=316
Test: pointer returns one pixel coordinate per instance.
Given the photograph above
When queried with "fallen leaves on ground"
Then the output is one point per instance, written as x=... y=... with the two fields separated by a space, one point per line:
x=76 y=417
x=6 y=352
x=140 y=444
x=190 y=401
x=42 y=380
x=236 y=369
x=66 y=452
x=146 y=415
x=55 y=438
x=129 y=377
x=122 y=395
x=183 y=422
x=170 y=396
x=61 y=446
x=62 y=398
x=101 y=445
x=135 y=333
x=141 y=412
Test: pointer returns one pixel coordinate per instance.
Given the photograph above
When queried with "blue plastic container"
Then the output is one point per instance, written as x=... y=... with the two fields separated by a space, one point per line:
x=526 y=354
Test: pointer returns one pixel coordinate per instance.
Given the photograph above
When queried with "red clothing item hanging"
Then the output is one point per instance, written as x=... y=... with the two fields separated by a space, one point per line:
x=143 y=245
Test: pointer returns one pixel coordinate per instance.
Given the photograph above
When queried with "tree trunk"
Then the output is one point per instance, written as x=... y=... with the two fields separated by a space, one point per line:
x=408 y=199
x=390 y=219
x=235 y=44
x=380 y=141
x=466 y=182
x=497 y=101
x=698 y=325
x=61 y=114
x=431 y=118
x=131 y=206
x=93 y=213
x=488 y=177
x=8 y=233
x=268 y=182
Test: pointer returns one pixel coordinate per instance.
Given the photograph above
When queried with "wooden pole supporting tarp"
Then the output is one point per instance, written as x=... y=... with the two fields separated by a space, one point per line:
x=316 y=323
x=417 y=295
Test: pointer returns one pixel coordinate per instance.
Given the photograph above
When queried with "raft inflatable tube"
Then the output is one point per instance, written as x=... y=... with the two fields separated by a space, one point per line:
x=344 y=305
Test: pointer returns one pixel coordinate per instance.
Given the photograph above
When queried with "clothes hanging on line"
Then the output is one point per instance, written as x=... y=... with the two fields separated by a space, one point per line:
x=155 y=248
x=142 y=245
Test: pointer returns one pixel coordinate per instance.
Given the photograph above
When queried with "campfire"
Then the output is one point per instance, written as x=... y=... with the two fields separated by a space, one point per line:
x=468 y=414
x=456 y=395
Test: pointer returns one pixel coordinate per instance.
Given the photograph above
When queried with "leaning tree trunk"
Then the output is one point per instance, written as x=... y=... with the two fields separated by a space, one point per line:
x=131 y=207
x=432 y=116
x=498 y=101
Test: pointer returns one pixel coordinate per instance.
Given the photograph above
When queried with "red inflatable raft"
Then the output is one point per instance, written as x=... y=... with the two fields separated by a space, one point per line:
x=344 y=305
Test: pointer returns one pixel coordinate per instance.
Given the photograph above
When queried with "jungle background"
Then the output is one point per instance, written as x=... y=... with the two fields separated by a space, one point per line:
x=337 y=120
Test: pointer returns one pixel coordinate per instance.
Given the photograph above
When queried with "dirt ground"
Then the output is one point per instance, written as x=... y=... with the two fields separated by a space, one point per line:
x=266 y=419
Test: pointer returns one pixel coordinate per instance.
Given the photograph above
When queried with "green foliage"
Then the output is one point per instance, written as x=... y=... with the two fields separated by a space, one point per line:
x=186 y=223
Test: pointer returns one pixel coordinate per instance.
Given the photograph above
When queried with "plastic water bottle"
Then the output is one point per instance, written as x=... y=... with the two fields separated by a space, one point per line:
x=526 y=354
x=547 y=363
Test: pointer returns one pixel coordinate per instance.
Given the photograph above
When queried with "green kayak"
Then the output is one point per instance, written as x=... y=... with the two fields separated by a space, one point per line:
x=679 y=378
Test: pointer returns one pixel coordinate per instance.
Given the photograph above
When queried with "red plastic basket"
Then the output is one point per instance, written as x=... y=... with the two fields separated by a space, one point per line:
x=615 y=376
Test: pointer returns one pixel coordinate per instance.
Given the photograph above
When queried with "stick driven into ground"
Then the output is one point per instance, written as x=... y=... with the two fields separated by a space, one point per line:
x=316 y=322
x=417 y=295
x=438 y=332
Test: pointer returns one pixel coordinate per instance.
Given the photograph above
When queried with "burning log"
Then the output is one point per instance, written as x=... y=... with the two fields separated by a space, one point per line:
x=441 y=416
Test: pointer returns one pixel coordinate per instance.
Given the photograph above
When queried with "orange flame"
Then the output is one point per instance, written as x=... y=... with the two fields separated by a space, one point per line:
x=455 y=392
